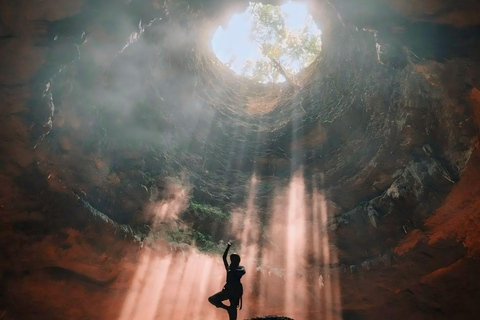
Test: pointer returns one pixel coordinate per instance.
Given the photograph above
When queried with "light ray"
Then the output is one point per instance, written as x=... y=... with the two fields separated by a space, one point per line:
x=176 y=285
x=249 y=241
x=131 y=302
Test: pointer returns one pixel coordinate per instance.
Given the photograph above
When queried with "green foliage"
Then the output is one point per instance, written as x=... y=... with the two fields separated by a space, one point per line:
x=283 y=51
x=268 y=25
x=202 y=241
x=201 y=230
x=180 y=236
x=206 y=212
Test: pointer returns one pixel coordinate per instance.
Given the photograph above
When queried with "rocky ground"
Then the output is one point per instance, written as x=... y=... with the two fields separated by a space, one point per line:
x=271 y=318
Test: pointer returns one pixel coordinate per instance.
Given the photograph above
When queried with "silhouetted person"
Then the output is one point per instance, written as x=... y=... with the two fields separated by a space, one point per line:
x=233 y=289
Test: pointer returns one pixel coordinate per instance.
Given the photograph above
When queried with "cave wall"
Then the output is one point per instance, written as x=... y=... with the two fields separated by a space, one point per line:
x=385 y=123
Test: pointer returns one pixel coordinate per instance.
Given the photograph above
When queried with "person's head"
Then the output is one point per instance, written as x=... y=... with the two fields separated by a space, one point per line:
x=234 y=260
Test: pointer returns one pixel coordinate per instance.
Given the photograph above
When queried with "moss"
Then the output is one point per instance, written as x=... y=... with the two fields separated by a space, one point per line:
x=207 y=212
x=180 y=236
x=203 y=242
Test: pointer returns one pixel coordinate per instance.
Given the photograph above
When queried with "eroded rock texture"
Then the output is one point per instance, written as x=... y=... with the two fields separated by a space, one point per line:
x=116 y=110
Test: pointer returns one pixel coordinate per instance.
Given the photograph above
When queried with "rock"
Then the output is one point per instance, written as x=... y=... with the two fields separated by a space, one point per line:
x=65 y=144
x=271 y=318
x=372 y=215
x=389 y=53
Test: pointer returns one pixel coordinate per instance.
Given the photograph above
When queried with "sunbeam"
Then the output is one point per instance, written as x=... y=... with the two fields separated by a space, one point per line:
x=295 y=243
x=294 y=275
x=249 y=241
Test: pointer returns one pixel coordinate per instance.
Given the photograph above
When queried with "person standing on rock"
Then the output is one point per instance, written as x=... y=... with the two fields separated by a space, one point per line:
x=233 y=289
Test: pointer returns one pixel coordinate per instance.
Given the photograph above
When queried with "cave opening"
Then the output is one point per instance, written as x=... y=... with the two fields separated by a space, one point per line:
x=269 y=43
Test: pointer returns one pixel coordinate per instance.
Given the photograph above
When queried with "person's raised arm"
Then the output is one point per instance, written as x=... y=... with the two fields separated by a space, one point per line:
x=229 y=244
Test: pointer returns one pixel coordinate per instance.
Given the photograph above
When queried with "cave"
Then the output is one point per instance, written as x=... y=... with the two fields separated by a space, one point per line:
x=131 y=155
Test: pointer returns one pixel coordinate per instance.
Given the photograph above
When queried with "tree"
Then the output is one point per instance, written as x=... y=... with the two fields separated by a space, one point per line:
x=284 y=51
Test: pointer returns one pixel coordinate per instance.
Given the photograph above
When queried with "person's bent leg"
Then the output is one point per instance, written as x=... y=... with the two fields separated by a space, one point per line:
x=217 y=299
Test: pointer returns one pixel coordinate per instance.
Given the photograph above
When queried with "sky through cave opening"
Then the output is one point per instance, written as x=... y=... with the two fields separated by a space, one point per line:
x=267 y=43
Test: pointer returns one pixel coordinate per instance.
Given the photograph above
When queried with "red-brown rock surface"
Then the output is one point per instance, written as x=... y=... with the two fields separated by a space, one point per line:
x=415 y=257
